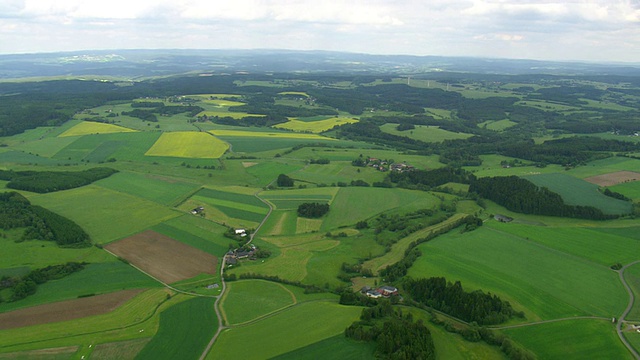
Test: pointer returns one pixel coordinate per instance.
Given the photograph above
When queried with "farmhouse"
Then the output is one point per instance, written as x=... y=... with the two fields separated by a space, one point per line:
x=502 y=218
x=387 y=290
x=374 y=294
x=241 y=232
x=197 y=210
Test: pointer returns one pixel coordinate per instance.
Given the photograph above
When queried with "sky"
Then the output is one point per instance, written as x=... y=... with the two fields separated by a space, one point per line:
x=585 y=30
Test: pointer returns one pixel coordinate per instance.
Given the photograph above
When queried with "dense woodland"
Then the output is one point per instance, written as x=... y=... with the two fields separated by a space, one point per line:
x=50 y=181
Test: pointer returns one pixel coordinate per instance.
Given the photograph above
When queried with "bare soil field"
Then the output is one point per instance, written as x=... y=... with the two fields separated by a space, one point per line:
x=66 y=310
x=614 y=178
x=162 y=257
x=44 y=354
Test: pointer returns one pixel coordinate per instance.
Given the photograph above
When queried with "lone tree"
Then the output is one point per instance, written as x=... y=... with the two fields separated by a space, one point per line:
x=284 y=181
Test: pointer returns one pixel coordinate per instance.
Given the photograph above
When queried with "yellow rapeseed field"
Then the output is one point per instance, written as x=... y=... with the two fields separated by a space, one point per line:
x=90 y=127
x=315 y=126
x=268 y=134
x=188 y=145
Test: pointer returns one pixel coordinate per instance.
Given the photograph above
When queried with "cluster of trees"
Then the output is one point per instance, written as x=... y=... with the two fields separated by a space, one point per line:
x=427 y=179
x=27 y=285
x=50 y=181
x=284 y=181
x=523 y=196
x=396 y=335
x=39 y=223
x=475 y=306
x=312 y=210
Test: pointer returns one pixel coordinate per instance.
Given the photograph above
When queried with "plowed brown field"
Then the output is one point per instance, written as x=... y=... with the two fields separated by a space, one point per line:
x=163 y=257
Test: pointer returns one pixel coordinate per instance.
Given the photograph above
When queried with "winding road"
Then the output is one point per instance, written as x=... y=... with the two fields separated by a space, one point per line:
x=621 y=320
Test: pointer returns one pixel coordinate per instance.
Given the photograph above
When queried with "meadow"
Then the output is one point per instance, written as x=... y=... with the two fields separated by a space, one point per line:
x=184 y=332
x=98 y=209
x=188 y=145
x=161 y=189
x=279 y=334
x=573 y=339
x=99 y=148
x=523 y=272
x=96 y=278
x=247 y=300
x=424 y=133
x=576 y=191
x=123 y=323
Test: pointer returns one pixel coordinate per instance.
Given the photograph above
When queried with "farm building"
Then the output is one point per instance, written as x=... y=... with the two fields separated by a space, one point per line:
x=388 y=290
x=502 y=218
x=241 y=232
x=197 y=210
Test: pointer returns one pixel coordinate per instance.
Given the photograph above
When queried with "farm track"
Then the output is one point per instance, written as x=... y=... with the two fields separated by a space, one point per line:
x=627 y=310
x=216 y=304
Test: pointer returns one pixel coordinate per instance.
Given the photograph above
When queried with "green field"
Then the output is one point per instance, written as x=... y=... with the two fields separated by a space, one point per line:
x=124 y=323
x=222 y=206
x=121 y=146
x=630 y=189
x=524 y=272
x=267 y=335
x=499 y=125
x=248 y=300
x=106 y=215
x=424 y=133
x=371 y=201
x=291 y=199
x=579 y=192
x=338 y=346
x=160 y=189
x=96 y=278
x=185 y=330
x=188 y=145
x=577 y=339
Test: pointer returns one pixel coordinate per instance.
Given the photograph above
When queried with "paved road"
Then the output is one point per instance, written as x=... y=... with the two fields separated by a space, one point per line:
x=626 y=311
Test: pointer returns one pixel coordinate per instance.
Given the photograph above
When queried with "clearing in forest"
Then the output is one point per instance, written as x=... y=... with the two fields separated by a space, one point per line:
x=162 y=257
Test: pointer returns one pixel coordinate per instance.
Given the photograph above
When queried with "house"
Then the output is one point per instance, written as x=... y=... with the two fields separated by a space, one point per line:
x=231 y=260
x=502 y=218
x=241 y=232
x=387 y=290
x=197 y=210
x=374 y=294
x=243 y=254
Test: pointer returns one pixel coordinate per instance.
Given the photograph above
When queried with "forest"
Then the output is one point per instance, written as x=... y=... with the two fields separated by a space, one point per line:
x=50 y=181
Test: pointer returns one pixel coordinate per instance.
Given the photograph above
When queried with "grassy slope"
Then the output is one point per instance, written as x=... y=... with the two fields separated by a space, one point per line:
x=250 y=299
x=544 y=282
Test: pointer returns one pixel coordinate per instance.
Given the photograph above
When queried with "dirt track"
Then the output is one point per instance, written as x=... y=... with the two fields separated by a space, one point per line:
x=163 y=257
x=66 y=310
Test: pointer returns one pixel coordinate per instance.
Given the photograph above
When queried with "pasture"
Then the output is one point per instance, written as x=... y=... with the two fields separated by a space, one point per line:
x=97 y=209
x=576 y=191
x=499 y=125
x=338 y=346
x=65 y=310
x=632 y=276
x=333 y=173
x=291 y=199
x=118 y=350
x=91 y=127
x=185 y=330
x=280 y=334
x=95 y=278
x=523 y=272
x=161 y=189
x=572 y=339
x=121 y=146
x=163 y=257
x=123 y=323
x=237 y=210
x=188 y=145
x=371 y=201
x=247 y=300
x=317 y=126
x=196 y=232
x=424 y=133
x=269 y=135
